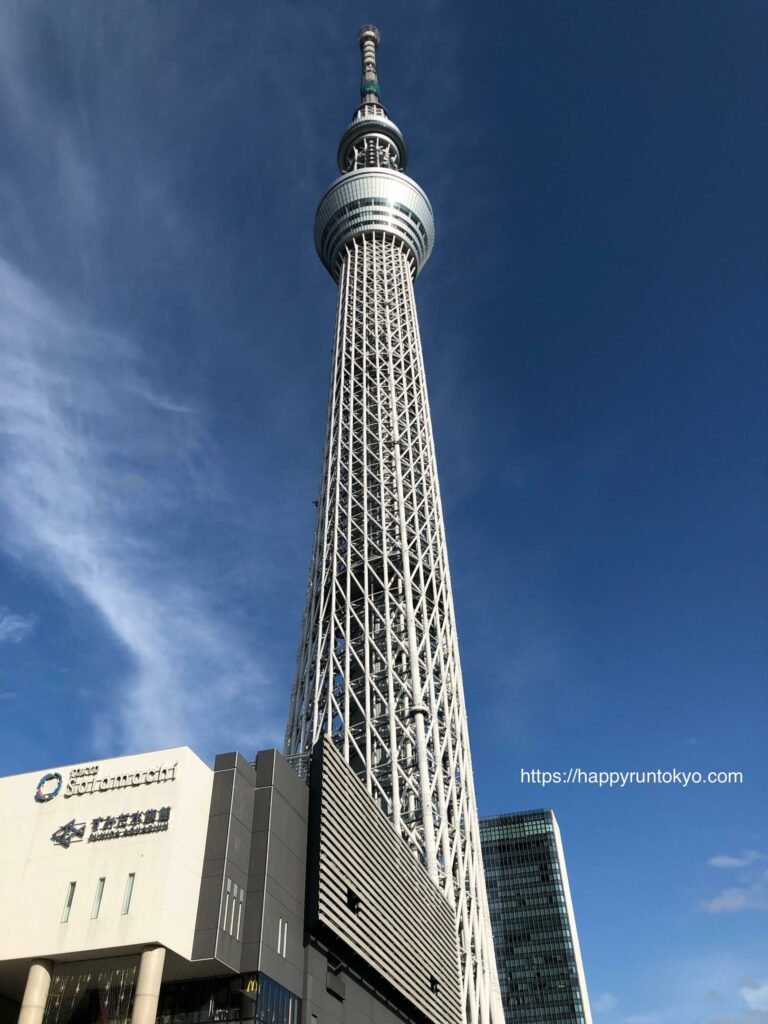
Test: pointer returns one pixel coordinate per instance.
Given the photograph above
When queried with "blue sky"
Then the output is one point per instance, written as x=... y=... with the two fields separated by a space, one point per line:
x=594 y=321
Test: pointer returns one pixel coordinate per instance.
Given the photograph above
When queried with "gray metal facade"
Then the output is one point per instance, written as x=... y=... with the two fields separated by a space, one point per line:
x=255 y=856
x=393 y=958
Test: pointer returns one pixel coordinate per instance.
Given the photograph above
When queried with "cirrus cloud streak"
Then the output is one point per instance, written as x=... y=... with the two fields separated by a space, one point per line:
x=101 y=472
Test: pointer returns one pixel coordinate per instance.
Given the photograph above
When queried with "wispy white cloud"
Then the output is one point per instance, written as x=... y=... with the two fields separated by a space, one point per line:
x=747 y=857
x=99 y=468
x=755 y=995
x=108 y=478
x=711 y=988
x=750 y=1017
x=752 y=895
x=715 y=988
x=15 y=628
x=605 y=1002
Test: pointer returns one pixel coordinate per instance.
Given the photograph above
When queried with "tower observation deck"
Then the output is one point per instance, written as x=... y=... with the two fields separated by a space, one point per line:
x=378 y=665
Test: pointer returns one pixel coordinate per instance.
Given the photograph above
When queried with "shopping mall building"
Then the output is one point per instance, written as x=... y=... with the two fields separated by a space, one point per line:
x=152 y=888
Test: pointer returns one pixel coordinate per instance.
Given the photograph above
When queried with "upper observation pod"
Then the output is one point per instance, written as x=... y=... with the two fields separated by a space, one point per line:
x=371 y=140
x=373 y=194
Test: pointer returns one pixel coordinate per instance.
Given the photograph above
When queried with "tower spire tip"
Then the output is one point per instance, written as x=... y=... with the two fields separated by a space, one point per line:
x=369 y=38
x=369 y=31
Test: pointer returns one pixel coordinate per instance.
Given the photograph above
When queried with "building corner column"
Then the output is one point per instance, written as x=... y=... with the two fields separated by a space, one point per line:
x=36 y=992
x=148 y=985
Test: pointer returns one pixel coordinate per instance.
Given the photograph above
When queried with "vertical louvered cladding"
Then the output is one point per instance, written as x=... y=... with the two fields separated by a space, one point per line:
x=368 y=892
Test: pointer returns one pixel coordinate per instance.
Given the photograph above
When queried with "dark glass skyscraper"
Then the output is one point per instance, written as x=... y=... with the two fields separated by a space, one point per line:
x=534 y=930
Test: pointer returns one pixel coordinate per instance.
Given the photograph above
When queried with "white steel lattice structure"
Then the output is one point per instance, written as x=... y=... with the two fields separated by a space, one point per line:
x=378 y=665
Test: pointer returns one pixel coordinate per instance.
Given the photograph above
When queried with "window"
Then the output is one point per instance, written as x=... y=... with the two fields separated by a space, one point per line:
x=282 y=937
x=68 y=902
x=232 y=916
x=97 y=898
x=226 y=905
x=128 y=893
x=245 y=999
x=354 y=902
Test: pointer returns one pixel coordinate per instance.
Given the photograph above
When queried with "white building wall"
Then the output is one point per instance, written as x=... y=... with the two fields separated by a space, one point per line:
x=572 y=922
x=35 y=871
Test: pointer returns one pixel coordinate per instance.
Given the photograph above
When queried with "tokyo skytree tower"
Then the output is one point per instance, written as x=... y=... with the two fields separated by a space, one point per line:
x=378 y=665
